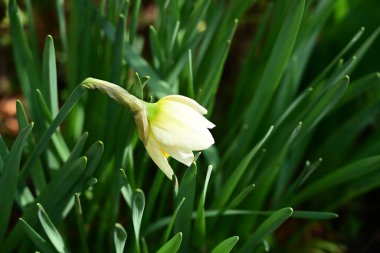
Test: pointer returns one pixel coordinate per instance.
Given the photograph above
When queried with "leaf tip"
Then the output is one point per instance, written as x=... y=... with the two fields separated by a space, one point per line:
x=39 y=206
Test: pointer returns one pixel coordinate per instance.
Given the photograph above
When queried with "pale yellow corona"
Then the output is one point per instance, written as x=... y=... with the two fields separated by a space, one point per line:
x=173 y=126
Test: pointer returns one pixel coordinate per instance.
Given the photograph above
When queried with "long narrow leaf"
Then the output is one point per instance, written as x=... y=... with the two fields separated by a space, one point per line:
x=51 y=231
x=9 y=177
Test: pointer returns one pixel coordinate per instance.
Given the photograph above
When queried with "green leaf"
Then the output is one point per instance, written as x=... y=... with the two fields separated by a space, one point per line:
x=243 y=86
x=190 y=84
x=138 y=205
x=94 y=156
x=271 y=76
x=61 y=189
x=1 y=165
x=3 y=148
x=49 y=76
x=157 y=86
x=45 y=111
x=50 y=230
x=200 y=221
x=118 y=48
x=36 y=238
x=233 y=181
x=144 y=246
x=326 y=103
x=241 y=196
x=126 y=188
x=9 y=178
x=45 y=138
x=266 y=228
x=78 y=148
x=155 y=46
x=37 y=173
x=172 y=245
x=340 y=176
x=22 y=119
x=359 y=54
x=359 y=87
x=172 y=220
x=62 y=24
x=27 y=70
x=119 y=237
x=312 y=215
x=323 y=74
x=186 y=190
x=226 y=246
x=211 y=79
x=81 y=225
x=134 y=21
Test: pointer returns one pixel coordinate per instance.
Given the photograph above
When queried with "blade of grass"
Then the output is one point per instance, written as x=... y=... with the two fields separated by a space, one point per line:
x=51 y=231
x=45 y=138
x=172 y=245
x=271 y=77
x=211 y=213
x=312 y=215
x=267 y=228
x=172 y=220
x=331 y=65
x=134 y=21
x=138 y=205
x=37 y=174
x=126 y=189
x=326 y=103
x=32 y=35
x=57 y=138
x=190 y=84
x=226 y=246
x=94 y=156
x=233 y=181
x=119 y=237
x=186 y=190
x=3 y=148
x=156 y=48
x=210 y=80
x=153 y=198
x=49 y=76
x=9 y=177
x=36 y=238
x=200 y=222
x=78 y=148
x=59 y=189
x=241 y=196
x=62 y=24
x=118 y=46
x=25 y=65
x=340 y=176
x=80 y=223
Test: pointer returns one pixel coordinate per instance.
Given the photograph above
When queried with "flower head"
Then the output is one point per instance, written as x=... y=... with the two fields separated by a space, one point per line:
x=173 y=126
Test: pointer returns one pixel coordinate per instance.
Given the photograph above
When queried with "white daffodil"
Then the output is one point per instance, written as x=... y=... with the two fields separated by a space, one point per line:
x=173 y=126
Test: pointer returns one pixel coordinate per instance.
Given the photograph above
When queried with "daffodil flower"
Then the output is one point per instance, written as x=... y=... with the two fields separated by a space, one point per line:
x=173 y=126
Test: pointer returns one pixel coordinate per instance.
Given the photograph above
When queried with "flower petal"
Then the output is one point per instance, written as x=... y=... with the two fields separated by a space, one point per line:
x=194 y=139
x=183 y=155
x=172 y=113
x=177 y=125
x=186 y=101
x=158 y=157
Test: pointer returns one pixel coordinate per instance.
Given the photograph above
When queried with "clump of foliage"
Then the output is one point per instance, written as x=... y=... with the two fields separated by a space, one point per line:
x=292 y=142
